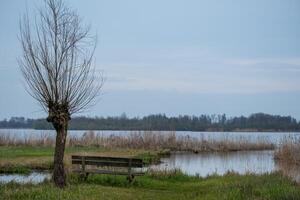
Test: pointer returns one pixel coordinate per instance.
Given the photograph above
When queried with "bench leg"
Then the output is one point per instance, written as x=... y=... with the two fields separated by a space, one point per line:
x=84 y=176
x=130 y=178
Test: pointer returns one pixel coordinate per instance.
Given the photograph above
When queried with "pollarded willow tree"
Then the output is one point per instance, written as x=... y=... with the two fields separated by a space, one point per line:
x=57 y=66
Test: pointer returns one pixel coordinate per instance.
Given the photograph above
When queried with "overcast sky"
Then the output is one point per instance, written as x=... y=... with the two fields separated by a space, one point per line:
x=175 y=57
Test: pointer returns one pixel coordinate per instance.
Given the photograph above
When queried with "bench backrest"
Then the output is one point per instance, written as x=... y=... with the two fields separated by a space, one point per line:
x=107 y=161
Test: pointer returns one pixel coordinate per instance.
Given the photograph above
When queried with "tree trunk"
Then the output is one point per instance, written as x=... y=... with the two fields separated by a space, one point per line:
x=59 y=175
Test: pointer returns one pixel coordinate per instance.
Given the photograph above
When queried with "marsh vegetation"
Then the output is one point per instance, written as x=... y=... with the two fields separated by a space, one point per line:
x=289 y=152
x=150 y=140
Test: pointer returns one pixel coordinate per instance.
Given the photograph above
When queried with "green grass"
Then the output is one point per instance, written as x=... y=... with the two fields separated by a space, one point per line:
x=33 y=151
x=161 y=186
x=15 y=169
x=149 y=157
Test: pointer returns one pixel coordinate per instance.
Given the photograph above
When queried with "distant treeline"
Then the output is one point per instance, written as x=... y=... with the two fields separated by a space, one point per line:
x=255 y=122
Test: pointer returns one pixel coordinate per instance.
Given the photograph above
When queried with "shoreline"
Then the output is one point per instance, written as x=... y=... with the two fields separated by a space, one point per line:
x=192 y=131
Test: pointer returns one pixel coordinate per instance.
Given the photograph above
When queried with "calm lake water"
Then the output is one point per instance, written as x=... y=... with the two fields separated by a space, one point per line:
x=34 y=178
x=204 y=164
x=271 y=137
x=241 y=162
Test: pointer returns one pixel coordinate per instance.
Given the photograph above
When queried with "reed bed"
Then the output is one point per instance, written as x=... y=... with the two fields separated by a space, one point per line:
x=7 y=139
x=289 y=151
x=144 y=140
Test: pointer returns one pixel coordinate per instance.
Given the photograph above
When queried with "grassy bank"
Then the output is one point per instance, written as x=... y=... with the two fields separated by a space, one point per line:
x=23 y=159
x=161 y=186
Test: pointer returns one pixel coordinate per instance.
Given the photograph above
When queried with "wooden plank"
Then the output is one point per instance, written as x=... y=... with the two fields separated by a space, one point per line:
x=137 y=160
x=97 y=171
x=107 y=163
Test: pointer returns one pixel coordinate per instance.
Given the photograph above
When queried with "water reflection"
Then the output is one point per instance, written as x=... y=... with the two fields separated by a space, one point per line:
x=34 y=178
x=204 y=164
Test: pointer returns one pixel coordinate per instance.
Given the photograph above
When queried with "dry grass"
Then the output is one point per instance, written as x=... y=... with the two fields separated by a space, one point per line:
x=289 y=151
x=144 y=140
x=7 y=139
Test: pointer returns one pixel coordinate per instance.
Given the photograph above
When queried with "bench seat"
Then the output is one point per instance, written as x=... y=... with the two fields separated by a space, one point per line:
x=103 y=171
x=128 y=164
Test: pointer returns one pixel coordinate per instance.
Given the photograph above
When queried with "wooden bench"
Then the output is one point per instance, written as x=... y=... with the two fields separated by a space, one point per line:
x=109 y=162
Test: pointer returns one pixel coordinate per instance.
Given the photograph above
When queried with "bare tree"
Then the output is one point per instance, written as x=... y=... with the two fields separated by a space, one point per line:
x=57 y=66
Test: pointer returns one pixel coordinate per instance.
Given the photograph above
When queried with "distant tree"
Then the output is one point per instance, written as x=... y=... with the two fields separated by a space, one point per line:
x=56 y=64
x=160 y=122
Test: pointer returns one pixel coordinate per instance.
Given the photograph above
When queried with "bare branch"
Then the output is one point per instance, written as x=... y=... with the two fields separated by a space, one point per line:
x=57 y=59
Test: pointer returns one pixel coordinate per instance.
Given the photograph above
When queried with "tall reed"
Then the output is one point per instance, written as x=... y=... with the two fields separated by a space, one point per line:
x=289 y=151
